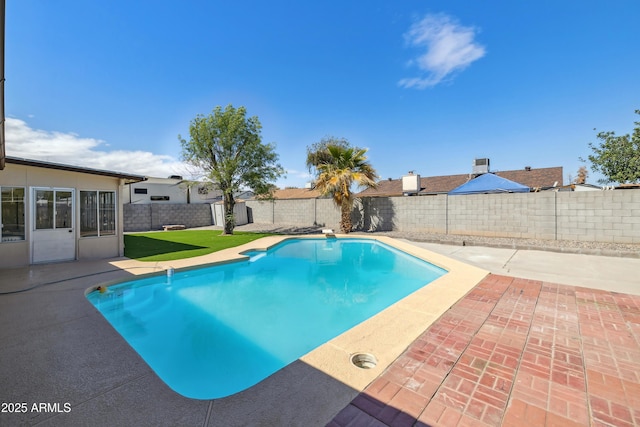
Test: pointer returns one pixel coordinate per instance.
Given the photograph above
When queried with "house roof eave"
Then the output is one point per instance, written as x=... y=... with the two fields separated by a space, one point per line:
x=130 y=178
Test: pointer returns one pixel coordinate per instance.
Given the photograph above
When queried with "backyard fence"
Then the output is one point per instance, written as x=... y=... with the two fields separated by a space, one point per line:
x=600 y=216
x=146 y=217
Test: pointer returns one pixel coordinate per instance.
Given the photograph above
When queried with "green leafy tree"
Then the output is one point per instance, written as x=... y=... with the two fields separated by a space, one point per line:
x=338 y=168
x=228 y=147
x=617 y=157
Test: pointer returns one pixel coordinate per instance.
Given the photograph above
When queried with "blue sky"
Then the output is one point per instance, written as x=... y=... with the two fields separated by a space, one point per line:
x=424 y=85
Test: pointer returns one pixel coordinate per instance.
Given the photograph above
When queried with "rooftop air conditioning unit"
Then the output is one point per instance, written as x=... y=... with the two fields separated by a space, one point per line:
x=410 y=184
x=480 y=166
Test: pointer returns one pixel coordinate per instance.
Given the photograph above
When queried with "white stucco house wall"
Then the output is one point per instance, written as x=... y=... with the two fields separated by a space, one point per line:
x=53 y=212
x=172 y=190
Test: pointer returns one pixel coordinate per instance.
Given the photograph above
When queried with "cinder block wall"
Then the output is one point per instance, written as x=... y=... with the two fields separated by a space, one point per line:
x=603 y=216
x=400 y=214
x=327 y=214
x=302 y=212
x=295 y=211
x=137 y=217
x=146 y=217
x=260 y=212
x=374 y=214
x=427 y=213
x=526 y=215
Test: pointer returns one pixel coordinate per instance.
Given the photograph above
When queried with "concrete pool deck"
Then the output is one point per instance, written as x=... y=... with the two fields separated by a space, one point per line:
x=55 y=348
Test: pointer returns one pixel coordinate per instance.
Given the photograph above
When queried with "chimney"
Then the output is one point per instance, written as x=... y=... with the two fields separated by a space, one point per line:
x=410 y=184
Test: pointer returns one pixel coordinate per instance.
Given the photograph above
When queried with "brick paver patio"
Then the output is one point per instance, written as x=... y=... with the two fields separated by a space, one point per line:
x=515 y=352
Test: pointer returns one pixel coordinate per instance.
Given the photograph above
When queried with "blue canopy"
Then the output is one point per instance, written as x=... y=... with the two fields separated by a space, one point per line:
x=489 y=183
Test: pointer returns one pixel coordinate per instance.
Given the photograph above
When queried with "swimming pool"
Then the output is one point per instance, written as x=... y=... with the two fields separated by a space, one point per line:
x=212 y=332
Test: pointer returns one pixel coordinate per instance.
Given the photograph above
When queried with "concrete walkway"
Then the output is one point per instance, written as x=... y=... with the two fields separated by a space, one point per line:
x=617 y=274
x=68 y=367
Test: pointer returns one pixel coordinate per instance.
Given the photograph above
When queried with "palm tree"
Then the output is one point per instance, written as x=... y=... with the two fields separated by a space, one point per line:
x=338 y=172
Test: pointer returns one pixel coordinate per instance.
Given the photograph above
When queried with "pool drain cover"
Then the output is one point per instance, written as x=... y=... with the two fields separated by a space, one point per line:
x=364 y=360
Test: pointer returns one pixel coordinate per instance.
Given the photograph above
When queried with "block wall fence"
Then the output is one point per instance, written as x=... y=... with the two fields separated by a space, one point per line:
x=147 y=217
x=601 y=216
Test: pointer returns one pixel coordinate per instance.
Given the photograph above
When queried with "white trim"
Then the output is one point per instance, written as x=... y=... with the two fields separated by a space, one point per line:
x=51 y=245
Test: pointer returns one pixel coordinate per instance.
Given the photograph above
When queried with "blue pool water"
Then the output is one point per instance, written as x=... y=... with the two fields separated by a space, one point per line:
x=212 y=332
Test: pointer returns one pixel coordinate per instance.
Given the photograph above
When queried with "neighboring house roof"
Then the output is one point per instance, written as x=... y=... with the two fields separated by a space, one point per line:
x=535 y=178
x=165 y=181
x=243 y=195
x=627 y=186
x=70 y=168
x=442 y=184
x=296 y=193
x=532 y=178
x=387 y=188
x=489 y=183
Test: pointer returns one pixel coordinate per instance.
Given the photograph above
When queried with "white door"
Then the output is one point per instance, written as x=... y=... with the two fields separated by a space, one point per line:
x=53 y=233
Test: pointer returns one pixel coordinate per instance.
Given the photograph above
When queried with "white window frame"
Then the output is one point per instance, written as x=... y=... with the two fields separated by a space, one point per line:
x=99 y=231
x=4 y=239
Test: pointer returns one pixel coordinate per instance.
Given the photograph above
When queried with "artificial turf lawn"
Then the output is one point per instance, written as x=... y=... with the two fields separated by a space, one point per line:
x=172 y=245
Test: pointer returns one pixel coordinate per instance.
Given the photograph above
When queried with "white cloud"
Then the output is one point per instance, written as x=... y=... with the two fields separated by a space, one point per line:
x=294 y=178
x=294 y=173
x=446 y=47
x=70 y=149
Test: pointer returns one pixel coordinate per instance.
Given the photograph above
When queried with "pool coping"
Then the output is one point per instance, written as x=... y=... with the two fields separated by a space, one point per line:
x=385 y=335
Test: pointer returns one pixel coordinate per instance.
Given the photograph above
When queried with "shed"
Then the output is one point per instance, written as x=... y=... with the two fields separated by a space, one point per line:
x=239 y=212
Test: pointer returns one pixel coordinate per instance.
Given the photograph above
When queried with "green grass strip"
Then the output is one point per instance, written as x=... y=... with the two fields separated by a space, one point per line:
x=173 y=245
